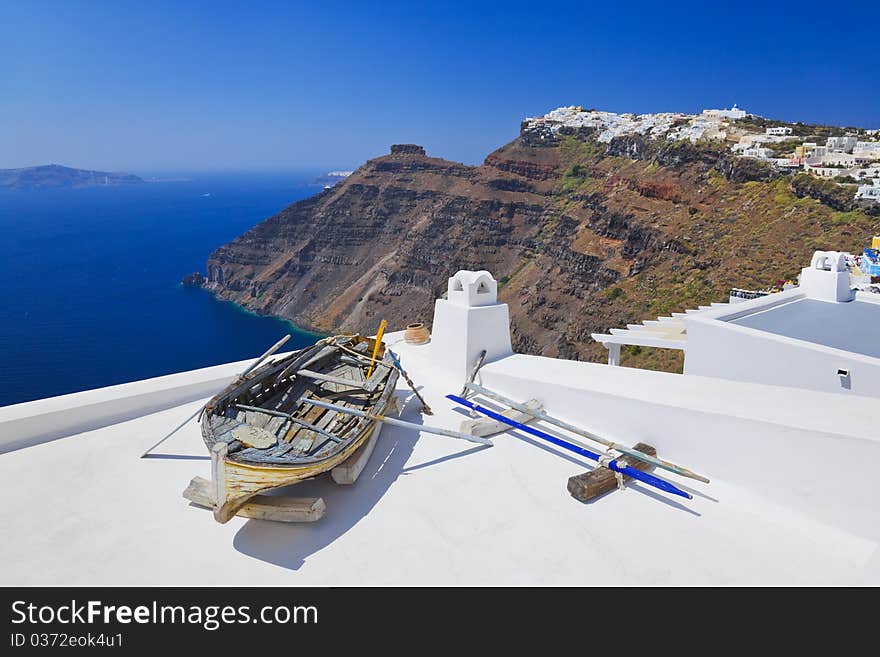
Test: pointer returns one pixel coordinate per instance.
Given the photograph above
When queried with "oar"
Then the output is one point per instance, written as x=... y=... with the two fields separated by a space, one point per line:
x=612 y=465
x=378 y=342
x=641 y=456
x=275 y=347
x=427 y=409
x=395 y=422
x=473 y=375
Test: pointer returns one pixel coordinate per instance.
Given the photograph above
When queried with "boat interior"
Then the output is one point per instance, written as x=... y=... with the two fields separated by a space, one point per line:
x=264 y=423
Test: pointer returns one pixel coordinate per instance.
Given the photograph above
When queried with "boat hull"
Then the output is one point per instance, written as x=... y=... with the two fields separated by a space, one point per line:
x=271 y=429
x=239 y=482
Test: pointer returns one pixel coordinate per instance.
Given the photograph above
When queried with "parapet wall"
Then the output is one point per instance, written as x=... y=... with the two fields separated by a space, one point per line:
x=43 y=420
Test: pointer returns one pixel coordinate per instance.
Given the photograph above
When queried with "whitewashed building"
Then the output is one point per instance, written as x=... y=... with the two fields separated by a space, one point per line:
x=866 y=147
x=779 y=131
x=832 y=159
x=819 y=335
x=732 y=113
x=821 y=171
x=867 y=151
x=867 y=172
x=841 y=144
x=758 y=151
x=869 y=192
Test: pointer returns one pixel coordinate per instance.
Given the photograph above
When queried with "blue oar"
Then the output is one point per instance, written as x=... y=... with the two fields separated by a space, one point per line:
x=622 y=468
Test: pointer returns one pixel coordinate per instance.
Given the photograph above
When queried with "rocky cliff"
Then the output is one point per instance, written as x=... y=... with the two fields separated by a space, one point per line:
x=582 y=235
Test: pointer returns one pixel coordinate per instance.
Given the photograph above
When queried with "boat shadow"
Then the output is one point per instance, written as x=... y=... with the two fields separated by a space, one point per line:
x=289 y=544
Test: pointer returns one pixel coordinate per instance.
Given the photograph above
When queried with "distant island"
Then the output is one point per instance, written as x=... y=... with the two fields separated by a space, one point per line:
x=56 y=176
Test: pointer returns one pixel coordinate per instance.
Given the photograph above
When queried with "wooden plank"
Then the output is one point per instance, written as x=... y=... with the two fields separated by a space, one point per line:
x=347 y=395
x=298 y=429
x=279 y=450
x=262 y=507
x=357 y=373
x=322 y=355
x=306 y=437
x=268 y=370
x=218 y=471
x=276 y=400
x=376 y=378
x=318 y=376
x=273 y=425
x=303 y=444
x=325 y=421
x=489 y=427
x=598 y=481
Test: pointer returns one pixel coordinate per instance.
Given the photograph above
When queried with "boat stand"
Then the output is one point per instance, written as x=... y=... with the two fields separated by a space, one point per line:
x=488 y=427
x=599 y=481
x=261 y=507
x=283 y=508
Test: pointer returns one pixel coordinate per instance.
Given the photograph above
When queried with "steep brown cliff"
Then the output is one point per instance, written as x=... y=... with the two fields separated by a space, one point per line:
x=583 y=236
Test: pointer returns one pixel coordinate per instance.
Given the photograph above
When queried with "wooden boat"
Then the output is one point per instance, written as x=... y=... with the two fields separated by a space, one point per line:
x=261 y=437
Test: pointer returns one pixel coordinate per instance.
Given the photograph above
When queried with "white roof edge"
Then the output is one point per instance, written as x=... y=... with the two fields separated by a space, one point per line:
x=43 y=420
x=639 y=338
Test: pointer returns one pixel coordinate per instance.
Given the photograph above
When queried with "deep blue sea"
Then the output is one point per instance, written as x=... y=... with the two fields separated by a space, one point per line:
x=90 y=290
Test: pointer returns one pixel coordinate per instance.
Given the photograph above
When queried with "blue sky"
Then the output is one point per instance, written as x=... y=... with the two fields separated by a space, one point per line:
x=261 y=85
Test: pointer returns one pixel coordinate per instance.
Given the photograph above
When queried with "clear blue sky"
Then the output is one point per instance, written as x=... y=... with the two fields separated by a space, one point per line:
x=181 y=85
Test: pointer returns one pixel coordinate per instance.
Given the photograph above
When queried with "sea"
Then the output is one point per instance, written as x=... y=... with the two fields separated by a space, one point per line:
x=90 y=291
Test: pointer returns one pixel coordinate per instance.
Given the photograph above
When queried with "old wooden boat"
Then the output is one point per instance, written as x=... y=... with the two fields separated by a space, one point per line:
x=261 y=433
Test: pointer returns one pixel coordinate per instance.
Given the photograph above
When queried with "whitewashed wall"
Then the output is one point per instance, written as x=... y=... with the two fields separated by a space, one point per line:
x=719 y=348
x=744 y=354
x=30 y=423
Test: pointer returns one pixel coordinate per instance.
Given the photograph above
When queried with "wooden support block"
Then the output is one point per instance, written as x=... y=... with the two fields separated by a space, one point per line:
x=598 y=481
x=347 y=472
x=488 y=427
x=261 y=507
x=218 y=472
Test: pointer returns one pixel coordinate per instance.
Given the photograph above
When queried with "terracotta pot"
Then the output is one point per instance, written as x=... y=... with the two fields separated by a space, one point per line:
x=416 y=333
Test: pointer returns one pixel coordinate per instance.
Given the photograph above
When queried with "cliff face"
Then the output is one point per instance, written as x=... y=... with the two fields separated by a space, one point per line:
x=583 y=236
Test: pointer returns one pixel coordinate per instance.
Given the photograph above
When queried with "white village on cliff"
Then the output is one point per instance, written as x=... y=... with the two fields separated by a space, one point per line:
x=850 y=158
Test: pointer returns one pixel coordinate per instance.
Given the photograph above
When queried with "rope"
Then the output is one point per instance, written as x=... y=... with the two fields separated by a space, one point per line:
x=368 y=359
x=604 y=460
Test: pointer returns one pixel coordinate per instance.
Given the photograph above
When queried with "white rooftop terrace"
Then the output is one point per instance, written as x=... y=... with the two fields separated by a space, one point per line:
x=850 y=327
x=820 y=335
x=792 y=498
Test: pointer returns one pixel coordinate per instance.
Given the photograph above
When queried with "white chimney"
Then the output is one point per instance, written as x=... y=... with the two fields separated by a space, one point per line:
x=827 y=277
x=467 y=322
